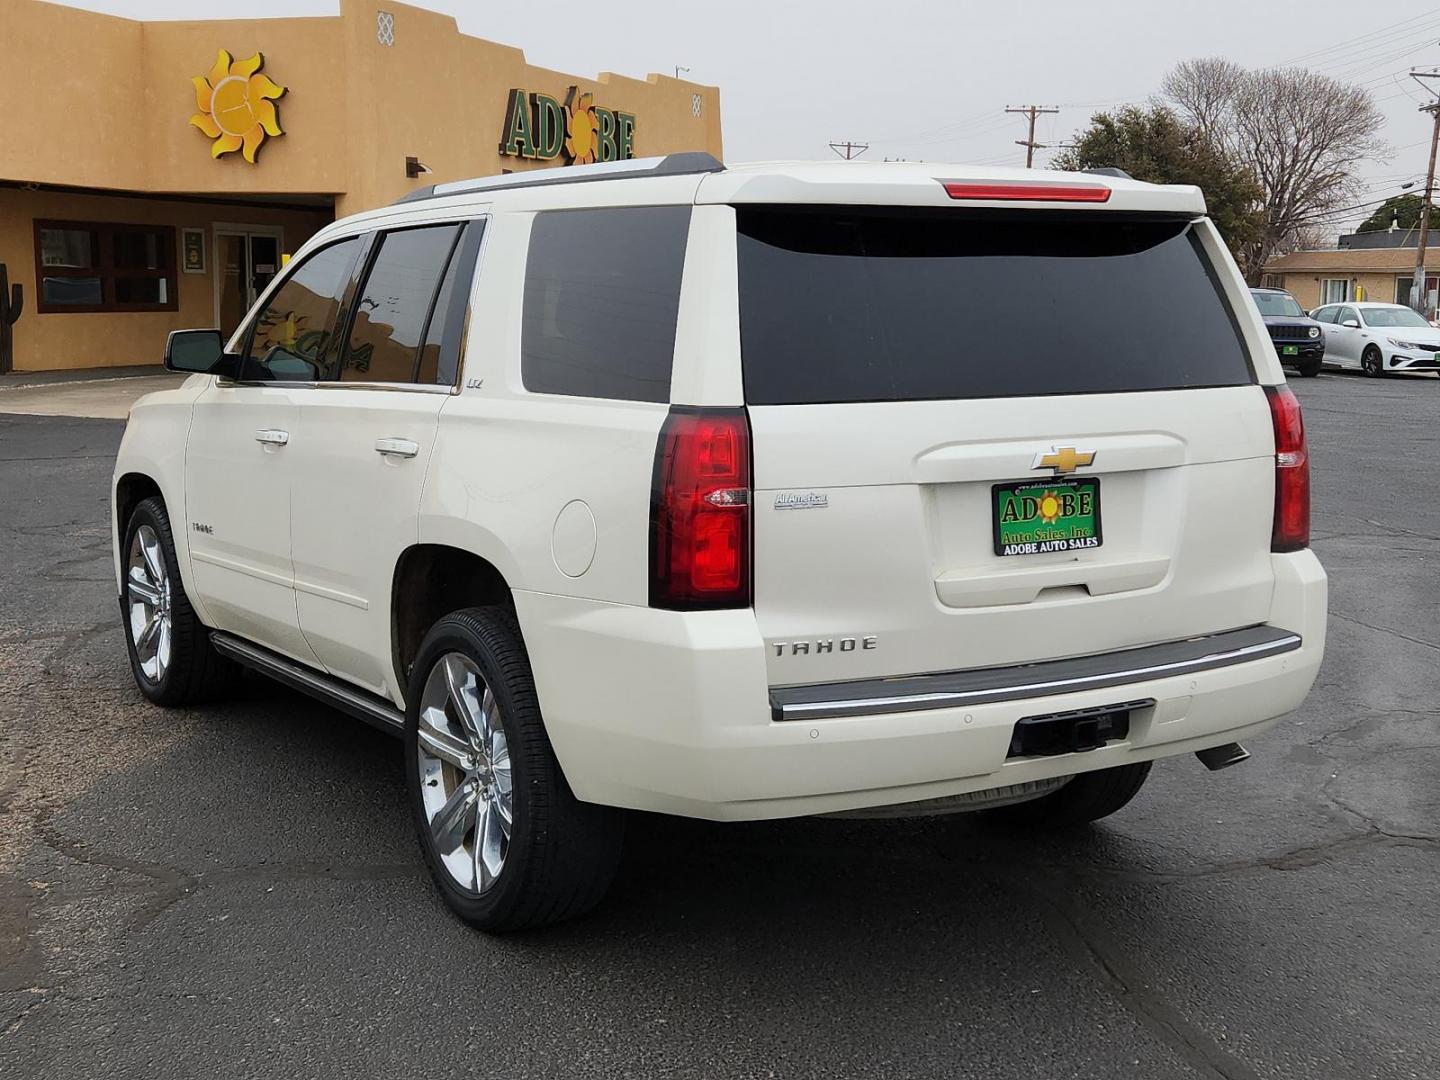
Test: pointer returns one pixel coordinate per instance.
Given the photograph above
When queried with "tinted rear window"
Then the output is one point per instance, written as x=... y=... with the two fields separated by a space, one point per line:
x=602 y=293
x=870 y=306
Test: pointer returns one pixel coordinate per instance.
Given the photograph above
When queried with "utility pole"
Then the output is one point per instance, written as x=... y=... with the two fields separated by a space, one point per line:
x=848 y=149
x=1419 y=298
x=1032 y=111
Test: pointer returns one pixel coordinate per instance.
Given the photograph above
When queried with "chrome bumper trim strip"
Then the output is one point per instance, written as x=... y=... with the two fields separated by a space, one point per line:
x=986 y=686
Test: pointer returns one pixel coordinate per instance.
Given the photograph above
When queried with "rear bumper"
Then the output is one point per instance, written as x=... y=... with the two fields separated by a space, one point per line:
x=671 y=712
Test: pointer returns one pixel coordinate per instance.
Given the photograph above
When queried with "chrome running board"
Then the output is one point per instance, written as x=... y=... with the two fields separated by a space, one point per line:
x=374 y=710
x=986 y=686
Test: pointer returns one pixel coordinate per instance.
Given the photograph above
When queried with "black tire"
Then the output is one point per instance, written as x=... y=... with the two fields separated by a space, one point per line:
x=1088 y=797
x=1309 y=369
x=195 y=671
x=562 y=854
x=1372 y=363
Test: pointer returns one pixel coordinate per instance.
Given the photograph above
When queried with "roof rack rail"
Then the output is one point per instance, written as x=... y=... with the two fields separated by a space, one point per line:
x=1109 y=170
x=685 y=164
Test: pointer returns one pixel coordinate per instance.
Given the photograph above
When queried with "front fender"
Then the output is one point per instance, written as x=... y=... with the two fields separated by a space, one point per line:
x=153 y=446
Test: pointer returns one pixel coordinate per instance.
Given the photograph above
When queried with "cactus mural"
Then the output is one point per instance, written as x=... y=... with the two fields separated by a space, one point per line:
x=12 y=302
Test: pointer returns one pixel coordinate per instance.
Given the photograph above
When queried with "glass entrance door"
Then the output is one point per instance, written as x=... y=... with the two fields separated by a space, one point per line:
x=245 y=261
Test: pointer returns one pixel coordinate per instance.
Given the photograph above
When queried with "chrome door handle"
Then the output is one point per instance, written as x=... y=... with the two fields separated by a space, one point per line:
x=272 y=436
x=397 y=447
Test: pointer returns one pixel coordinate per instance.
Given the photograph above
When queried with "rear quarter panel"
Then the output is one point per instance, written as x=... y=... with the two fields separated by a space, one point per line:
x=507 y=463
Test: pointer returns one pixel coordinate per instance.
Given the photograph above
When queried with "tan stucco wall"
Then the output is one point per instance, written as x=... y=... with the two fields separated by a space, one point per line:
x=111 y=108
x=1305 y=285
x=111 y=339
x=459 y=86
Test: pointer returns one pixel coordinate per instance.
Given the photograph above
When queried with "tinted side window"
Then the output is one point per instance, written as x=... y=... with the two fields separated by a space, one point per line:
x=293 y=333
x=1325 y=314
x=394 y=306
x=602 y=291
x=440 y=355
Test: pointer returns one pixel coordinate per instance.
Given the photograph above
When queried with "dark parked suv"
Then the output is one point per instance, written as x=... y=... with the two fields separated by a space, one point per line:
x=1299 y=339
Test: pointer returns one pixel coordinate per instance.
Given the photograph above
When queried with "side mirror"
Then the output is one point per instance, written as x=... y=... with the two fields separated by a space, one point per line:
x=1351 y=323
x=199 y=352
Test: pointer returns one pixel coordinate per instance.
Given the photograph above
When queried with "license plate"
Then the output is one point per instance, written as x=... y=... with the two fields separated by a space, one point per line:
x=1291 y=350
x=1033 y=518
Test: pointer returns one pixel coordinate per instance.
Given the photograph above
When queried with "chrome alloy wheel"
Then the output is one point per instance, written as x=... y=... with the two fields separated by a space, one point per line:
x=464 y=764
x=147 y=600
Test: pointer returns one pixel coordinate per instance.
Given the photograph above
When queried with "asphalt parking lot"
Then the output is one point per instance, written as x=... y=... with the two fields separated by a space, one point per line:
x=235 y=891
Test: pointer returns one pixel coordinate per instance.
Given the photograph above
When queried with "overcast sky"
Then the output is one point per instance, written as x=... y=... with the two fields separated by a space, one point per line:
x=929 y=79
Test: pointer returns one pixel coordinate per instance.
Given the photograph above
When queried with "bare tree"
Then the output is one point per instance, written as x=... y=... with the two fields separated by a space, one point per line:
x=1301 y=133
x=1311 y=237
x=1204 y=89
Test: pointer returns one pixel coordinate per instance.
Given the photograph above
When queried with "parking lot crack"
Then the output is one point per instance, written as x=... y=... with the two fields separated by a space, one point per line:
x=1094 y=945
x=169 y=884
x=1384 y=630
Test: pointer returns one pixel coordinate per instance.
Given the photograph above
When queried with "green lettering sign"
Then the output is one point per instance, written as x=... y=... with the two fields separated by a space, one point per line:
x=606 y=150
x=538 y=126
x=625 y=135
x=549 y=126
x=519 y=137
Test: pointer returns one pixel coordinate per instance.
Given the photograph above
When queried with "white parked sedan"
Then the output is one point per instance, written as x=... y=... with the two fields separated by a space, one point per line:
x=1378 y=338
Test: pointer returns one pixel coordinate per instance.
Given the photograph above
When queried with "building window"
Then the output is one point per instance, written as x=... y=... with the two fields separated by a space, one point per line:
x=1402 y=287
x=385 y=28
x=87 y=266
x=1272 y=281
x=1334 y=290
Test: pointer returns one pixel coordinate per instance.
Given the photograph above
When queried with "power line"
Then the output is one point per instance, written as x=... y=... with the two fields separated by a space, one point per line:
x=1322 y=217
x=934 y=134
x=1031 y=111
x=1397 y=29
x=1358 y=62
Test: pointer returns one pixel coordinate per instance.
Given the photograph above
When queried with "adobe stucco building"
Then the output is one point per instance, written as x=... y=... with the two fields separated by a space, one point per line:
x=1339 y=274
x=152 y=181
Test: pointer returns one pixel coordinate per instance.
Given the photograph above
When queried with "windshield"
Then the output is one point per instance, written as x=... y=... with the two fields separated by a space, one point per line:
x=1277 y=303
x=845 y=304
x=1392 y=316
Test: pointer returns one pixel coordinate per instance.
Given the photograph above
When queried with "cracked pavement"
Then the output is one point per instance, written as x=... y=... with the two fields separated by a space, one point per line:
x=234 y=890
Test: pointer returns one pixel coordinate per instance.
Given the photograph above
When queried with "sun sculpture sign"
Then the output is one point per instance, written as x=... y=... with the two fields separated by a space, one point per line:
x=237 y=106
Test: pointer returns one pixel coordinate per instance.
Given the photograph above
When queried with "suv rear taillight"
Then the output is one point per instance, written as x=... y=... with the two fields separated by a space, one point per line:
x=700 y=511
x=1292 y=472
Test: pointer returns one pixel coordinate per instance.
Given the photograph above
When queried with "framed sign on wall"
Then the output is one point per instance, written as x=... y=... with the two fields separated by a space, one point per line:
x=192 y=251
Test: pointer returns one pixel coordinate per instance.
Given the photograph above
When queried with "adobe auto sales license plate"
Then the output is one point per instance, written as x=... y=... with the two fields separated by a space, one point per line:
x=1056 y=515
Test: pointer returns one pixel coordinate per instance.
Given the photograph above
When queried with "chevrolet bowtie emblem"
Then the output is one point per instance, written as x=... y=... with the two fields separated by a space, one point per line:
x=1063 y=459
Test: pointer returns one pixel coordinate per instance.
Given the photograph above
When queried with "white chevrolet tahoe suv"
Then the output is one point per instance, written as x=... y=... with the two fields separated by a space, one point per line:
x=737 y=493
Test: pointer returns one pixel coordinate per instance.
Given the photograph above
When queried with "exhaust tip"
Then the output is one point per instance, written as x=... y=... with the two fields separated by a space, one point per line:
x=1222 y=757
